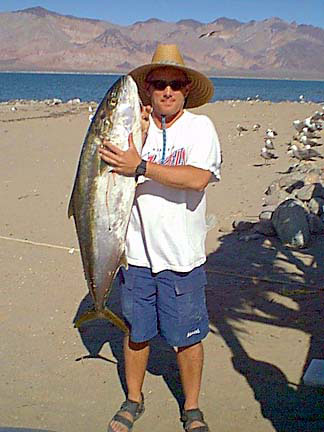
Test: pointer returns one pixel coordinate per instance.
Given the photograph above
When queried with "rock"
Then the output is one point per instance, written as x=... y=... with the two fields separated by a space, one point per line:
x=272 y=188
x=291 y=224
x=310 y=191
x=250 y=236
x=316 y=225
x=265 y=227
x=312 y=177
x=316 y=206
x=266 y=215
x=290 y=179
x=275 y=198
x=241 y=225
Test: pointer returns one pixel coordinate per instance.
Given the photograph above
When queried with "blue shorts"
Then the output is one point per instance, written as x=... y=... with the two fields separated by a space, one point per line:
x=168 y=303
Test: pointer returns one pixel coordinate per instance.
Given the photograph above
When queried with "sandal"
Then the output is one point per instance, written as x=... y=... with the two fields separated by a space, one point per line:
x=136 y=409
x=192 y=415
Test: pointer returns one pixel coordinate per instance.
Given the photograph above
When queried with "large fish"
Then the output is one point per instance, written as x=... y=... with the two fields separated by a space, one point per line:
x=101 y=200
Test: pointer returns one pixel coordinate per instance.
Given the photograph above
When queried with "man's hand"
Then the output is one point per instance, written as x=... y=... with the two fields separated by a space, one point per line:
x=123 y=162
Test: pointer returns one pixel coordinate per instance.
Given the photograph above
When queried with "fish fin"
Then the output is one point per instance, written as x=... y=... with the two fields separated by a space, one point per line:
x=123 y=261
x=102 y=314
x=70 y=208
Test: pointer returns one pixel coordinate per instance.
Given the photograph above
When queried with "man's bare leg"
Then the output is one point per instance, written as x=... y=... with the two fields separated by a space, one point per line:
x=136 y=357
x=190 y=361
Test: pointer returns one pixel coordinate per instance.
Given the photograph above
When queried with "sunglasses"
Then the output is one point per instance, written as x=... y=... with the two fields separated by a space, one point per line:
x=174 y=84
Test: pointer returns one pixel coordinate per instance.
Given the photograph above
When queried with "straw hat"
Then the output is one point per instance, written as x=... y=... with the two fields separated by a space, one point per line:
x=202 y=88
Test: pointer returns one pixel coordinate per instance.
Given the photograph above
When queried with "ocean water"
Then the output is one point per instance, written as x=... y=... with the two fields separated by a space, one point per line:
x=92 y=87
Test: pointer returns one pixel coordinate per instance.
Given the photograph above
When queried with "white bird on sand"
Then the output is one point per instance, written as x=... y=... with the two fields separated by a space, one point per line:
x=13 y=108
x=310 y=134
x=267 y=155
x=318 y=115
x=306 y=141
x=298 y=125
x=240 y=129
x=256 y=127
x=304 y=153
x=270 y=133
x=268 y=144
x=90 y=109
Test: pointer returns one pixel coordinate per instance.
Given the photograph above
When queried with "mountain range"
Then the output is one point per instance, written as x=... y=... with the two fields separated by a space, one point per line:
x=36 y=39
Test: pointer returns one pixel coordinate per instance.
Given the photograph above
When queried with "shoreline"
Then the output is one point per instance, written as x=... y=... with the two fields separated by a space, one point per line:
x=125 y=73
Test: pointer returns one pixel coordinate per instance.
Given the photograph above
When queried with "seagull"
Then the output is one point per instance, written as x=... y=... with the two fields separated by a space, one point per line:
x=209 y=34
x=267 y=155
x=256 y=127
x=270 y=133
x=309 y=134
x=306 y=141
x=240 y=129
x=304 y=153
x=268 y=144
x=318 y=115
x=298 y=125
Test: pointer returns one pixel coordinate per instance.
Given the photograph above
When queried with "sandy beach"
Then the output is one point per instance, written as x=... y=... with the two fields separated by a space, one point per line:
x=265 y=301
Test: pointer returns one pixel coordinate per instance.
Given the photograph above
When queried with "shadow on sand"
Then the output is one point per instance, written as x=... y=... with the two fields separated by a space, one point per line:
x=240 y=289
x=243 y=281
x=96 y=333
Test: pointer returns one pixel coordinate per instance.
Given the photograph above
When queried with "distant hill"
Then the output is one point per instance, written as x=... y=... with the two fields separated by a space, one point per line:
x=38 y=39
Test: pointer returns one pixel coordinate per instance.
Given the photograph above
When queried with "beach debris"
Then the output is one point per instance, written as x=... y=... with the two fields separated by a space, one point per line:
x=256 y=127
x=101 y=200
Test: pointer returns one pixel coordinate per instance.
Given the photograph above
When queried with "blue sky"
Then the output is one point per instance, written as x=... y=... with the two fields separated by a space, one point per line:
x=129 y=11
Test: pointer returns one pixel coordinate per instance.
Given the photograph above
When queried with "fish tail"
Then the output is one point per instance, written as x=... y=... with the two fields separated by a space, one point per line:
x=102 y=314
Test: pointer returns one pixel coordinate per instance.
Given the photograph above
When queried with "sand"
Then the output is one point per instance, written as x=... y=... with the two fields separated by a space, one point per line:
x=265 y=301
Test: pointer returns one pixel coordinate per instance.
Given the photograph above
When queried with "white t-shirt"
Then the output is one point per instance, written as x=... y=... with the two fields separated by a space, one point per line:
x=167 y=227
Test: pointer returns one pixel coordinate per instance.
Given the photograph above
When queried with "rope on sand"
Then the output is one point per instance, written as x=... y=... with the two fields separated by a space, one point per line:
x=265 y=279
x=236 y=275
x=39 y=244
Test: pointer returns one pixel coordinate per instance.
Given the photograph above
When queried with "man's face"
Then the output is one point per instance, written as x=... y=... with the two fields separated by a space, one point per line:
x=168 y=101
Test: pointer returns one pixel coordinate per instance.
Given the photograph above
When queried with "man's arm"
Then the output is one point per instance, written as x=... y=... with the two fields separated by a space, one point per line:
x=180 y=177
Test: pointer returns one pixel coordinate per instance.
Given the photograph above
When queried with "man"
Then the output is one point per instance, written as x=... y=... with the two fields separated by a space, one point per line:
x=163 y=289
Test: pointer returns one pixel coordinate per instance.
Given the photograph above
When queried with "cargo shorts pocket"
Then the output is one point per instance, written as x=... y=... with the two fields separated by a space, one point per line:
x=126 y=284
x=190 y=298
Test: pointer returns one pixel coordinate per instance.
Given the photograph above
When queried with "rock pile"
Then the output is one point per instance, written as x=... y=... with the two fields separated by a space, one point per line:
x=293 y=205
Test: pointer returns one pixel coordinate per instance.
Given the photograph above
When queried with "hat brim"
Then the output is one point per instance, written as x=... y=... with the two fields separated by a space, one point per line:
x=201 y=90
